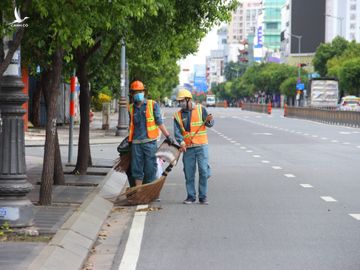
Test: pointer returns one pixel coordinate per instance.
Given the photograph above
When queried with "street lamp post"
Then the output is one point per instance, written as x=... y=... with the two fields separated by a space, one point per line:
x=121 y=129
x=15 y=207
x=340 y=19
x=299 y=58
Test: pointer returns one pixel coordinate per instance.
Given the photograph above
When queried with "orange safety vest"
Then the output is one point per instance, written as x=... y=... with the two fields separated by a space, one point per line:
x=196 y=125
x=151 y=127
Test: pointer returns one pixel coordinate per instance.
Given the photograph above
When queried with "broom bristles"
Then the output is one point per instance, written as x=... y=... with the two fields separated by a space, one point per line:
x=145 y=193
x=122 y=163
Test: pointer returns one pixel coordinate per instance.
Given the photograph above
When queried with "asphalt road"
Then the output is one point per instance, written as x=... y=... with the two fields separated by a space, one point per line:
x=284 y=194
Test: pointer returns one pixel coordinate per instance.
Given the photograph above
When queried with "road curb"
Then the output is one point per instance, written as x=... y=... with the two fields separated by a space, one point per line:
x=70 y=246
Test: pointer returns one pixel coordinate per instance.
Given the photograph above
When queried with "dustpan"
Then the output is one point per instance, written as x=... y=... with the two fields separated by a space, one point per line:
x=147 y=193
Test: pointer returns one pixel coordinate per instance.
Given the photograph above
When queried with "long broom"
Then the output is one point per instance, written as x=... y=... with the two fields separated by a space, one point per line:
x=147 y=193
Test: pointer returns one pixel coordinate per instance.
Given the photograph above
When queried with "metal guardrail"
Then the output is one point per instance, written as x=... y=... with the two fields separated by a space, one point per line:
x=328 y=116
x=262 y=108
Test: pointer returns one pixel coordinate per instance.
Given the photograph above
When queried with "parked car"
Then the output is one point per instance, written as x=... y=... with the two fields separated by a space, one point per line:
x=350 y=103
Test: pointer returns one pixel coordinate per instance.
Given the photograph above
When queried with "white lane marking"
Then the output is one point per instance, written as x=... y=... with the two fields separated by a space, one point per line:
x=324 y=138
x=264 y=133
x=249 y=151
x=306 y=134
x=289 y=175
x=334 y=141
x=315 y=136
x=237 y=143
x=243 y=147
x=133 y=245
x=256 y=156
x=276 y=167
x=328 y=199
x=358 y=146
x=346 y=143
x=233 y=141
x=356 y=216
x=306 y=185
x=344 y=132
x=265 y=161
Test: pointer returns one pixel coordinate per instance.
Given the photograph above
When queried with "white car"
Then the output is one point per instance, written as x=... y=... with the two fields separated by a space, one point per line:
x=350 y=103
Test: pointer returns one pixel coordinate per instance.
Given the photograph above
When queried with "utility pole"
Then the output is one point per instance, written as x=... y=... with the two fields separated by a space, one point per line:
x=121 y=129
x=15 y=207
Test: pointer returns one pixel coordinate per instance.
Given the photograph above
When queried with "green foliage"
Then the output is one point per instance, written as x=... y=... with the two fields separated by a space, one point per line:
x=234 y=70
x=350 y=76
x=326 y=51
x=5 y=229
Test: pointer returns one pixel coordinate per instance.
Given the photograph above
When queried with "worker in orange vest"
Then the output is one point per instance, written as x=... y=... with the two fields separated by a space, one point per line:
x=190 y=132
x=145 y=122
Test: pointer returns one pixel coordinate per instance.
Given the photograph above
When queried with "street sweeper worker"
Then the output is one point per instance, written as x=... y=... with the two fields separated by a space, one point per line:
x=190 y=124
x=145 y=122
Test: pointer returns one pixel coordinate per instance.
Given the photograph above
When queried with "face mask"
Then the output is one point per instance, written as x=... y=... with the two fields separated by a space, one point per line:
x=139 y=97
x=186 y=105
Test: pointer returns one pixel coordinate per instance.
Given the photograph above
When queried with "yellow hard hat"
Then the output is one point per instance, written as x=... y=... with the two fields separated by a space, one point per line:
x=183 y=93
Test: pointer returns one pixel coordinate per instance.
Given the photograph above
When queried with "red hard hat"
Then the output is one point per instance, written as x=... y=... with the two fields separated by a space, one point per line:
x=137 y=86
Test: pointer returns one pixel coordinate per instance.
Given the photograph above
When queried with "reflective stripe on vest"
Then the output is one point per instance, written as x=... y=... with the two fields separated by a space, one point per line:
x=196 y=121
x=152 y=129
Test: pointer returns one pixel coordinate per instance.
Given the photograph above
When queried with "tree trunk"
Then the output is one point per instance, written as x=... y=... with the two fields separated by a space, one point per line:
x=35 y=116
x=59 y=178
x=49 y=153
x=84 y=153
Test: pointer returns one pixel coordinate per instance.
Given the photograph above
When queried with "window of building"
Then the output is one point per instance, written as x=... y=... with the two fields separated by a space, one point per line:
x=353 y=7
x=352 y=26
x=271 y=26
x=352 y=16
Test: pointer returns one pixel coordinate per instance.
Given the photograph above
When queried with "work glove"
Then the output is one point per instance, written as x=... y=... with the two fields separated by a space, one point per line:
x=169 y=140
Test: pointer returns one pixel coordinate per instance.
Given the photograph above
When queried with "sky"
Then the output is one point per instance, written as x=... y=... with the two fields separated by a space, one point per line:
x=209 y=42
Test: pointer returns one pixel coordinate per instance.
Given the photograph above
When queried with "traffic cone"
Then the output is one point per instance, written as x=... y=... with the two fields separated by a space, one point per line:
x=269 y=107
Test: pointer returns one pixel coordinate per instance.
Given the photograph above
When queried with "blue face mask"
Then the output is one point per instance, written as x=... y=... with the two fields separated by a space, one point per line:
x=139 y=97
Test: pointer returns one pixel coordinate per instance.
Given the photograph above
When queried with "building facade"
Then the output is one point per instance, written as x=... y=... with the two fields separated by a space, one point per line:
x=301 y=37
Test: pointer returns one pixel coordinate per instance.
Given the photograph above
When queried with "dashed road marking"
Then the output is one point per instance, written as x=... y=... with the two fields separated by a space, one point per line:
x=276 y=167
x=233 y=141
x=356 y=216
x=315 y=136
x=243 y=147
x=249 y=151
x=334 y=141
x=237 y=143
x=256 y=156
x=289 y=175
x=328 y=199
x=265 y=161
x=306 y=185
x=324 y=138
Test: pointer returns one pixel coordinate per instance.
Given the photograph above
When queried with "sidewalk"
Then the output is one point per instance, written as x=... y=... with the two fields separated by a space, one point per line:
x=78 y=211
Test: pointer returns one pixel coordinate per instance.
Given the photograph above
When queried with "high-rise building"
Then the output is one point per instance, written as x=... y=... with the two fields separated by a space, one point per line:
x=272 y=23
x=342 y=19
x=303 y=30
x=243 y=21
x=266 y=34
